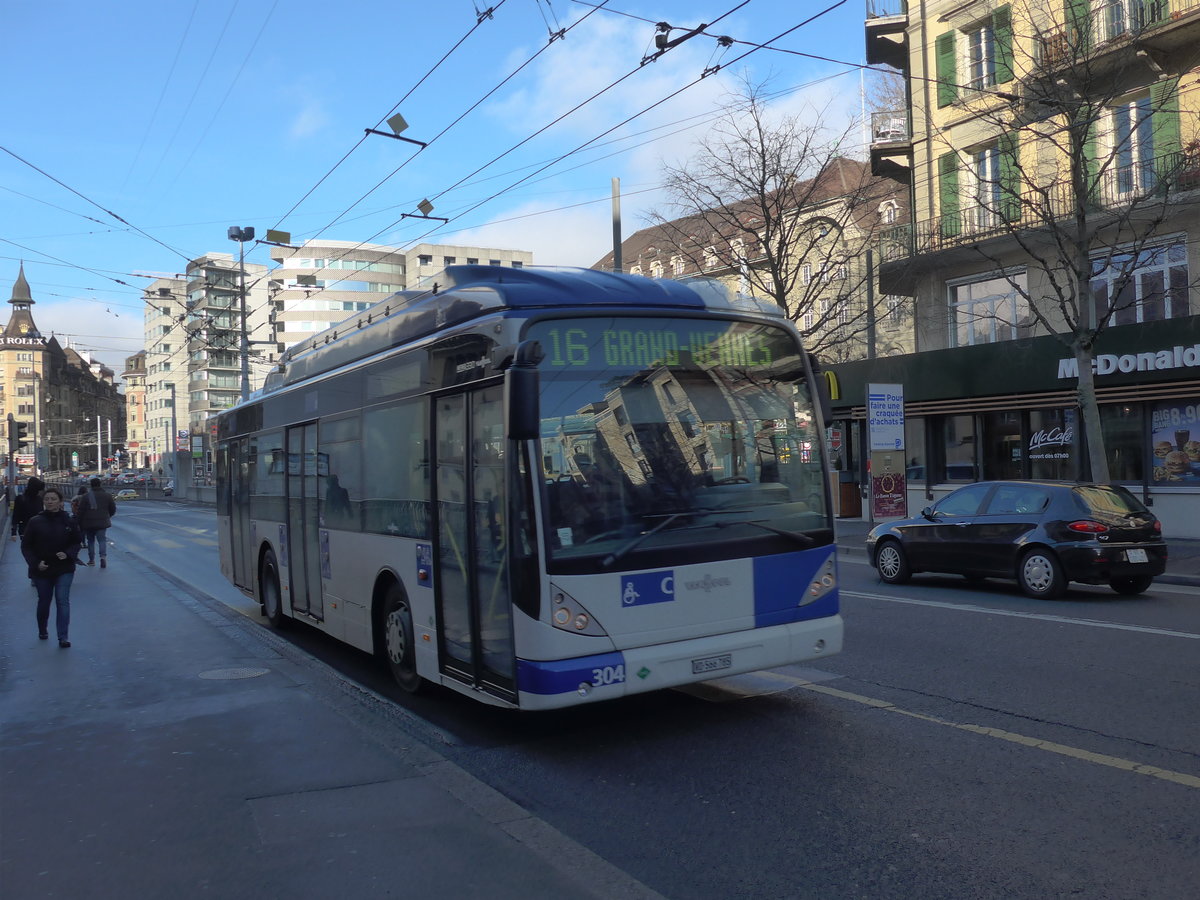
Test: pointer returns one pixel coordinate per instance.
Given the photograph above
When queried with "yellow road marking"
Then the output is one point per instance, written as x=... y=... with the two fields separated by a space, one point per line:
x=1100 y=759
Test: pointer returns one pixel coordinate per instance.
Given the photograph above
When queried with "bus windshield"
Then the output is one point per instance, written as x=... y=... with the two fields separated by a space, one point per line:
x=670 y=433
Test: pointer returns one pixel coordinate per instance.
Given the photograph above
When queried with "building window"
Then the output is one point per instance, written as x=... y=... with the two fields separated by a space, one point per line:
x=425 y=259
x=990 y=309
x=984 y=176
x=677 y=265
x=449 y=260
x=517 y=264
x=472 y=261
x=656 y=269
x=710 y=257
x=958 y=447
x=889 y=210
x=1131 y=143
x=806 y=273
x=1146 y=286
x=981 y=56
x=493 y=262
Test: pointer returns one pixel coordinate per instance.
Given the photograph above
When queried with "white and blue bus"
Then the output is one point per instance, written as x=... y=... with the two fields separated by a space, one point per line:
x=542 y=487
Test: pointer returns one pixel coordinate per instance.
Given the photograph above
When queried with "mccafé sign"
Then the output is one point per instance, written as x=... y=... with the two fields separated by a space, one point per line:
x=1150 y=361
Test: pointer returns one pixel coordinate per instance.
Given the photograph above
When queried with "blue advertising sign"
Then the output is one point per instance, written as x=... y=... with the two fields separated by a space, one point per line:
x=885 y=416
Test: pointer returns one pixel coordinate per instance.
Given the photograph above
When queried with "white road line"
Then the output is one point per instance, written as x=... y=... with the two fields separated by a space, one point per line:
x=1063 y=620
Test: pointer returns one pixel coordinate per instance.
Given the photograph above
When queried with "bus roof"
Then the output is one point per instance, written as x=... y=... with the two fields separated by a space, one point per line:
x=471 y=291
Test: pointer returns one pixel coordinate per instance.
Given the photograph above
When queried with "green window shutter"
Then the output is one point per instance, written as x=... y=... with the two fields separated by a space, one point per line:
x=1002 y=30
x=1010 y=177
x=1164 y=123
x=1079 y=30
x=947 y=69
x=948 y=193
x=1091 y=166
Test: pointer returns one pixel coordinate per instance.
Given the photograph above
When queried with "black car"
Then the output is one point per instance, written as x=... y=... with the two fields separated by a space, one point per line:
x=1042 y=534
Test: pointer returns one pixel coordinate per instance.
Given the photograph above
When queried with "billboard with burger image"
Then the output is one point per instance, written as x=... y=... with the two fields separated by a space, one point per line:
x=1175 y=444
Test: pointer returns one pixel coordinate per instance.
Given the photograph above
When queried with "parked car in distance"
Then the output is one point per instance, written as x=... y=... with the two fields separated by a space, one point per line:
x=127 y=494
x=1043 y=534
x=169 y=488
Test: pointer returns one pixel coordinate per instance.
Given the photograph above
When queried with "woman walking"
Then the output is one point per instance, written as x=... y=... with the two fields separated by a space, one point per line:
x=50 y=544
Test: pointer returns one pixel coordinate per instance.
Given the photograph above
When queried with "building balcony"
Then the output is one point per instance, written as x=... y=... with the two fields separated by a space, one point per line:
x=1139 y=191
x=1102 y=41
x=887 y=33
x=891 y=145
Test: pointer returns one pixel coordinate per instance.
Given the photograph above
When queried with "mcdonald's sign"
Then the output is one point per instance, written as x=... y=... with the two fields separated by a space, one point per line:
x=831 y=385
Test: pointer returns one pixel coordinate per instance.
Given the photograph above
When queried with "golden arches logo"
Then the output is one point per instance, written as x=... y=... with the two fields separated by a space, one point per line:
x=831 y=384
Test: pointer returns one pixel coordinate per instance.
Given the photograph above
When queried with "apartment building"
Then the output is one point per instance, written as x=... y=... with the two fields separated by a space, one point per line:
x=137 y=447
x=321 y=283
x=834 y=219
x=1052 y=155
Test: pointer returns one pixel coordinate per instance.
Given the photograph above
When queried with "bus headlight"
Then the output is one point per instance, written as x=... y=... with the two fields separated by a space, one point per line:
x=569 y=614
x=824 y=581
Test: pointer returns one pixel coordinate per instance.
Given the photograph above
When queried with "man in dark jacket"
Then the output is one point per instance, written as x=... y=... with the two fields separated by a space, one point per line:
x=27 y=505
x=96 y=509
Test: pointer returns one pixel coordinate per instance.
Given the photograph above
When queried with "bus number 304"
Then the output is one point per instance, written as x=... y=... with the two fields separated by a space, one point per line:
x=608 y=675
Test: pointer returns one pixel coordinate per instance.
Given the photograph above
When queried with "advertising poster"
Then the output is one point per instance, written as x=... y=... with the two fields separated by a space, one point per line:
x=1175 y=443
x=888 y=495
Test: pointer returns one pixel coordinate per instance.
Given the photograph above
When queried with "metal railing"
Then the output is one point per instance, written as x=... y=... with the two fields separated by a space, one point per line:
x=888 y=126
x=1111 y=190
x=883 y=9
x=1105 y=25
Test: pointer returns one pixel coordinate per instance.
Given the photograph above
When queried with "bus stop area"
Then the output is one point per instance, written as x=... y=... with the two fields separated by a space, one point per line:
x=176 y=749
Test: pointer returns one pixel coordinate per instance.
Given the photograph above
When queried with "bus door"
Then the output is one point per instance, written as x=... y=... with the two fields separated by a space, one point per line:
x=304 y=532
x=473 y=593
x=239 y=514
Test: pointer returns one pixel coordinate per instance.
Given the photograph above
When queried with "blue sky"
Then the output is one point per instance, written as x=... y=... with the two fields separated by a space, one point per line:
x=184 y=117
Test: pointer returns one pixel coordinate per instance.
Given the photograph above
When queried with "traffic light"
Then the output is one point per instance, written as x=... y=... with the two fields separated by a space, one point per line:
x=22 y=435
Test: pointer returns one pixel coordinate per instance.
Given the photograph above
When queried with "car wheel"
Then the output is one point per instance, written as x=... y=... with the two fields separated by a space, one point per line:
x=399 y=641
x=269 y=592
x=892 y=563
x=1040 y=575
x=1131 y=584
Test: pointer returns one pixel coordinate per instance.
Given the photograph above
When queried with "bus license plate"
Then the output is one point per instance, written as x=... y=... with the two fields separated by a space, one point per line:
x=711 y=663
x=1135 y=555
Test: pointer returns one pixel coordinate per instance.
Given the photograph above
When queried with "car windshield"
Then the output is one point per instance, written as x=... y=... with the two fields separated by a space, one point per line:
x=658 y=432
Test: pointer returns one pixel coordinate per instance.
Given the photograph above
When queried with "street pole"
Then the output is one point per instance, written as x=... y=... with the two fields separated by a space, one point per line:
x=171 y=447
x=99 y=457
x=241 y=235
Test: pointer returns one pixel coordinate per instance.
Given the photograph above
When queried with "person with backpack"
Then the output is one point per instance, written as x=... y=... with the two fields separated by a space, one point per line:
x=96 y=509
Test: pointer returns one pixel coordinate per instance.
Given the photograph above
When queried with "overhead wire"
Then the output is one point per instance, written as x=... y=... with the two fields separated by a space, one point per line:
x=481 y=17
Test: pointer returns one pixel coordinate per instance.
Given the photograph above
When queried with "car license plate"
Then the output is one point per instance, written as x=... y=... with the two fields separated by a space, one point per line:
x=1135 y=555
x=711 y=663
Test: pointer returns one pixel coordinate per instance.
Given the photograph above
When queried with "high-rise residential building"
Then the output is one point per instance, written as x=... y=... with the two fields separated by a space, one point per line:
x=1052 y=152
x=321 y=283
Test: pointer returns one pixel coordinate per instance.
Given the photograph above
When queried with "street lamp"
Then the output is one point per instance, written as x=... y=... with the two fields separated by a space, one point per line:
x=241 y=235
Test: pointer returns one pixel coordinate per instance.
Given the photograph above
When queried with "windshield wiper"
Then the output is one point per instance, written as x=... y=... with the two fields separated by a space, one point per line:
x=797 y=536
x=617 y=554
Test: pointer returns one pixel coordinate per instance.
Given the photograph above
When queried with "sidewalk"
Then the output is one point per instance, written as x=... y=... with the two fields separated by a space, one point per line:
x=1183 y=564
x=179 y=750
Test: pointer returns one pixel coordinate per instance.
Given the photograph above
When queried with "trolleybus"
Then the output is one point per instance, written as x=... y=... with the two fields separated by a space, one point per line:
x=541 y=487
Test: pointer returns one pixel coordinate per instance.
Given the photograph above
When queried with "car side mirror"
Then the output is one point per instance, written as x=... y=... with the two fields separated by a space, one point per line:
x=928 y=513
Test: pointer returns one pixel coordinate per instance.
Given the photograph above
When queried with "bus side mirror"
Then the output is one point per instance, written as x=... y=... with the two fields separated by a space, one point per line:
x=521 y=381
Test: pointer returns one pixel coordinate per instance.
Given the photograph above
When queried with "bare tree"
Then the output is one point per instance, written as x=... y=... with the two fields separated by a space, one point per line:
x=773 y=204
x=1084 y=172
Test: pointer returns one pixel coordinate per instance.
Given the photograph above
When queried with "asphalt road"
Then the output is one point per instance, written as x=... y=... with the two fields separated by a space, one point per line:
x=969 y=742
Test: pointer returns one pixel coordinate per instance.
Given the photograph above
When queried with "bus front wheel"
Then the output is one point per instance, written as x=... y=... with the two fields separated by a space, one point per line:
x=269 y=593
x=399 y=641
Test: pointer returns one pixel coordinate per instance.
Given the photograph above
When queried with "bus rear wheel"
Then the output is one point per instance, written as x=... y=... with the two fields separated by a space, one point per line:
x=269 y=593
x=399 y=643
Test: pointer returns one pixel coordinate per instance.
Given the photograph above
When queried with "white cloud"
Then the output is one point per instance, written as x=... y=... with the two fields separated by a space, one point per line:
x=308 y=121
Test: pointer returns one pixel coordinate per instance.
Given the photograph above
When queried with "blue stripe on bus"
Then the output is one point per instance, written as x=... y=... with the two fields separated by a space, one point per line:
x=781 y=582
x=562 y=676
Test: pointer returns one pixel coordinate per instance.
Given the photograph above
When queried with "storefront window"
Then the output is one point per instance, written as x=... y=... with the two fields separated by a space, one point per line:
x=958 y=436
x=1145 y=286
x=1054 y=444
x=1124 y=442
x=914 y=443
x=1002 y=445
